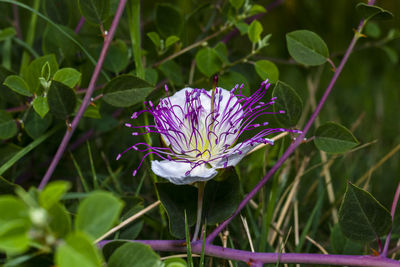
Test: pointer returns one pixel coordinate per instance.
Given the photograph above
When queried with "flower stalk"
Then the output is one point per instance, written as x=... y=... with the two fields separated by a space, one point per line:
x=200 y=196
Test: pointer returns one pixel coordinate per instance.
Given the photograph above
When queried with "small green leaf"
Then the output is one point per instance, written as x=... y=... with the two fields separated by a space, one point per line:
x=169 y=20
x=221 y=198
x=155 y=38
x=236 y=3
x=117 y=58
x=36 y=126
x=172 y=71
x=342 y=245
x=372 y=30
x=7 y=33
x=133 y=254
x=171 y=40
x=222 y=52
x=97 y=213
x=373 y=12
x=288 y=105
x=267 y=70
x=242 y=27
x=176 y=199
x=68 y=76
x=8 y=127
x=126 y=90
x=40 y=105
x=61 y=99
x=56 y=41
x=307 y=47
x=256 y=9
x=175 y=262
x=255 y=30
x=334 y=138
x=59 y=220
x=208 y=61
x=95 y=11
x=45 y=73
x=33 y=71
x=362 y=217
x=52 y=193
x=18 y=85
x=78 y=250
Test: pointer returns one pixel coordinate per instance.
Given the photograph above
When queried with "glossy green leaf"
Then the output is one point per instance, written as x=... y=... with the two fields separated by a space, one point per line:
x=171 y=40
x=133 y=254
x=126 y=90
x=78 y=250
x=288 y=104
x=18 y=85
x=169 y=20
x=361 y=216
x=52 y=193
x=98 y=213
x=221 y=198
x=33 y=71
x=256 y=9
x=373 y=12
x=40 y=105
x=208 y=61
x=61 y=99
x=95 y=11
x=242 y=27
x=34 y=125
x=236 y=3
x=267 y=70
x=155 y=38
x=307 y=48
x=7 y=33
x=176 y=199
x=59 y=220
x=8 y=127
x=342 y=245
x=14 y=225
x=68 y=76
x=334 y=138
x=254 y=32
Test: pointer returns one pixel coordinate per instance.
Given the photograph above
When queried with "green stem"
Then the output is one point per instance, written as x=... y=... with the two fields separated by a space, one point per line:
x=134 y=31
x=200 y=187
x=31 y=34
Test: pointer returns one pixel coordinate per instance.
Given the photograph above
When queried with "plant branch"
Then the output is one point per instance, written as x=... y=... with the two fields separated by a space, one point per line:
x=298 y=140
x=86 y=100
x=392 y=211
x=256 y=257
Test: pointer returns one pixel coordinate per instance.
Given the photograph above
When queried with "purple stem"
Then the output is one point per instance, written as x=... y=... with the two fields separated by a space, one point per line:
x=392 y=211
x=234 y=32
x=80 y=24
x=256 y=257
x=298 y=141
x=88 y=95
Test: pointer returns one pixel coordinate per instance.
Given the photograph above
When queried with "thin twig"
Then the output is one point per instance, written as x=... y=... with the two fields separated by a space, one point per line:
x=392 y=212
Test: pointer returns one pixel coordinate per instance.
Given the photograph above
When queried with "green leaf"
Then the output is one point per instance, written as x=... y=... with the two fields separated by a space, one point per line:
x=68 y=76
x=361 y=216
x=133 y=254
x=221 y=198
x=45 y=73
x=255 y=30
x=58 y=11
x=61 y=99
x=334 y=138
x=267 y=70
x=289 y=102
x=97 y=213
x=307 y=47
x=208 y=61
x=64 y=44
x=172 y=71
x=40 y=105
x=391 y=53
x=342 y=245
x=117 y=58
x=8 y=127
x=60 y=220
x=171 y=40
x=155 y=38
x=33 y=71
x=169 y=20
x=95 y=11
x=52 y=193
x=232 y=78
x=34 y=125
x=176 y=199
x=256 y=9
x=222 y=52
x=132 y=230
x=14 y=225
x=242 y=27
x=126 y=90
x=78 y=250
x=236 y=3
x=18 y=85
x=372 y=30
x=7 y=33
x=373 y=12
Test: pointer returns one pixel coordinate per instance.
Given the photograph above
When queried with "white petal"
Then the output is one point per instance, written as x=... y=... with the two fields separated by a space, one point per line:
x=175 y=172
x=235 y=155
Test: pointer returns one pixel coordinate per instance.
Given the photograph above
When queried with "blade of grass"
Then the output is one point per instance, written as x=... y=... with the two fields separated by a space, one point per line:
x=203 y=245
x=31 y=33
x=188 y=246
x=27 y=149
x=94 y=175
x=79 y=171
x=111 y=172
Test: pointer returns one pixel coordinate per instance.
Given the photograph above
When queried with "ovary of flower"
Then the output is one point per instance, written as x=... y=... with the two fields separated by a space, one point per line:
x=200 y=138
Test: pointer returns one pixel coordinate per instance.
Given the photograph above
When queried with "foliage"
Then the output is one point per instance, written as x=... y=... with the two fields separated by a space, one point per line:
x=334 y=191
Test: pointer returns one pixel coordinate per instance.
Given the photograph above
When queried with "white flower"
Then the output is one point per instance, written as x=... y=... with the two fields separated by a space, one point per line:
x=200 y=131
